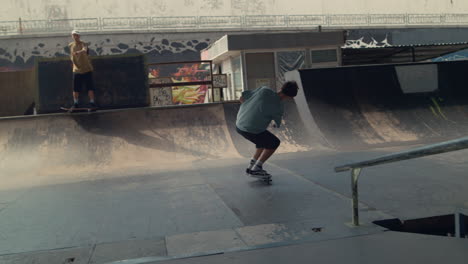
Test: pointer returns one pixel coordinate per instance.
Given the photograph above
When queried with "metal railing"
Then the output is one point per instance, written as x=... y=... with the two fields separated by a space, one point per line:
x=230 y=22
x=110 y=23
x=355 y=168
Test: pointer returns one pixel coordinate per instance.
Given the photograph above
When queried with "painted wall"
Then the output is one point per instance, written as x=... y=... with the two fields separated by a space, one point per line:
x=56 y=9
x=20 y=53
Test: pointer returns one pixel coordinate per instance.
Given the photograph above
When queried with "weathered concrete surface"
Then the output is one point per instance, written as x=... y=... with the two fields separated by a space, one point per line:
x=18 y=93
x=48 y=149
x=385 y=105
x=45 y=10
x=386 y=248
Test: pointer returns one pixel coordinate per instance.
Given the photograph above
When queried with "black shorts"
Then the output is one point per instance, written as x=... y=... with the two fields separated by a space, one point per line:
x=80 y=79
x=264 y=140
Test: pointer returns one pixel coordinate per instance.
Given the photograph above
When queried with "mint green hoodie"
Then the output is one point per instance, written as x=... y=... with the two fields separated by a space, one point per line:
x=259 y=108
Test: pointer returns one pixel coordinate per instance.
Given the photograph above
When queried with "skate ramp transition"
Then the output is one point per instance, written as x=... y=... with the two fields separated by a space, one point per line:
x=366 y=107
x=34 y=149
x=345 y=108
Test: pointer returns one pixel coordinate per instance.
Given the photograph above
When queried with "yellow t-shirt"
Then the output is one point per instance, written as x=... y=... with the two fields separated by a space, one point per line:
x=81 y=61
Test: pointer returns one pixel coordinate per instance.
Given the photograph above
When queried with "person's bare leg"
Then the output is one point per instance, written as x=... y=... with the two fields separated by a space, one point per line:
x=254 y=159
x=266 y=154
x=91 y=95
x=76 y=95
x=257 y=154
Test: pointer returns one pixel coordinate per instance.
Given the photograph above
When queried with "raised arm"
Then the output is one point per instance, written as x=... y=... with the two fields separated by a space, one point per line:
x=84 y=49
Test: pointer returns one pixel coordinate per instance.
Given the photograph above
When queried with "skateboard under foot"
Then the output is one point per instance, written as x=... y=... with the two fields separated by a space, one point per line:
x=264 y=178
x=79 y=109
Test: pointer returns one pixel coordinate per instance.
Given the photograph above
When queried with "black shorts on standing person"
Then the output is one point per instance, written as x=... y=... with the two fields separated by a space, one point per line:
x=83 y=82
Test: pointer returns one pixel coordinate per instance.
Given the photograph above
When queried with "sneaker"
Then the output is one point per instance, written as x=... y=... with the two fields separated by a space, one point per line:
x=259 y=173
x=252 y=165
x=73 y=107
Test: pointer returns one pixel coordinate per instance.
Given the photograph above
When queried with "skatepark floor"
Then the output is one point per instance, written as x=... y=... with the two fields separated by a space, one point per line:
x=212 y=207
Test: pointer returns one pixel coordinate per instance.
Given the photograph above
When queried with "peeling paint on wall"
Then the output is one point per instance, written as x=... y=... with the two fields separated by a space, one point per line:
x=213 y=4
x=44 y=9
x=56 y=12
x=248 y=6
x=20 y=54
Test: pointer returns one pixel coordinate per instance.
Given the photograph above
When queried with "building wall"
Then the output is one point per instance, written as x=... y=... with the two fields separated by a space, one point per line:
x=19 y=53
x=57 y=9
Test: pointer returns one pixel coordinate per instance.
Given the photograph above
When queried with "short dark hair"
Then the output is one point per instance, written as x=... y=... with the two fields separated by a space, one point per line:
x=290 y=88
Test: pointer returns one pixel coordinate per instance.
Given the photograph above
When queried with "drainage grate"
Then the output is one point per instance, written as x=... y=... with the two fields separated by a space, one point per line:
x=454 y=225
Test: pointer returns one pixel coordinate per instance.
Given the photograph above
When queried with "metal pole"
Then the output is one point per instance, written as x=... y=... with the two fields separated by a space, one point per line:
x=460 y=230
x=20 y=26
x=354 y=187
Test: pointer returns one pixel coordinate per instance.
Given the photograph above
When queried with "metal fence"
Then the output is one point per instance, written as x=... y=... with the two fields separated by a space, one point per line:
x=230 y=22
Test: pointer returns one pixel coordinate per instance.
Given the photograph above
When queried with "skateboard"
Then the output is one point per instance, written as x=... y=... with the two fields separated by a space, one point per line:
x=265 y=178
x=79 y=109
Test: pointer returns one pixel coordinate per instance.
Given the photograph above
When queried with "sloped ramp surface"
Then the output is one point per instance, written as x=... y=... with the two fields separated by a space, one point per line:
x=365 y=107
x=35 y=148
x=293 y=134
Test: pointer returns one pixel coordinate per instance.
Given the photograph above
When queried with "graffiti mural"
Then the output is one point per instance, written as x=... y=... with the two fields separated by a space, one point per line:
x=190 y=82
x=369 y=38
x=363 y=38
x=367 y=43
x=459 y=55
x=161 y=96
x=20 y=54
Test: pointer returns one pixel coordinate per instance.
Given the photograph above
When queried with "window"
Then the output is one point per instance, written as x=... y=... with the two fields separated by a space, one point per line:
x=319 y=56
x=237 y=75
x=289 y=61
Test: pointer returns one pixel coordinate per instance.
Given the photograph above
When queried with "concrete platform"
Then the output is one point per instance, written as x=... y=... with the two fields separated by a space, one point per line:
x=389 y=247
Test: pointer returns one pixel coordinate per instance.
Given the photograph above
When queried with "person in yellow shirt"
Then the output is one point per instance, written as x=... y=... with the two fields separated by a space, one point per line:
x=82 y=70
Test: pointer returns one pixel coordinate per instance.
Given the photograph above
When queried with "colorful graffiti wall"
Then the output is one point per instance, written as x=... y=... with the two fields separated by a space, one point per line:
x=189 y=81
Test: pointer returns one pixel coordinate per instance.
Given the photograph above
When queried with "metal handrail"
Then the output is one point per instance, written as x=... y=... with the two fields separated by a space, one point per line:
x=355 y=168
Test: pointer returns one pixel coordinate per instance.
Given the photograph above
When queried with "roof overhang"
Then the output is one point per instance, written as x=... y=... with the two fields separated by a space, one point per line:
x=233 y=44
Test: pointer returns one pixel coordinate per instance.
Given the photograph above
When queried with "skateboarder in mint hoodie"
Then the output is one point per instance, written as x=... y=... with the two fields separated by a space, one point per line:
x=258 y=108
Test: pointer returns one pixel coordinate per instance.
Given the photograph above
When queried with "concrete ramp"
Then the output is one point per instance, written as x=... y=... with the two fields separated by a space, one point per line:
x=386 y=105
x=345 y=108
x=34 y=149
x=61 y=147
x=294 y=135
